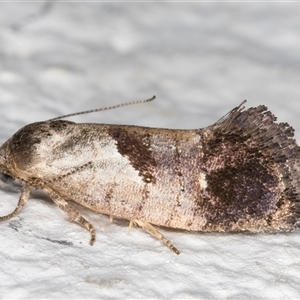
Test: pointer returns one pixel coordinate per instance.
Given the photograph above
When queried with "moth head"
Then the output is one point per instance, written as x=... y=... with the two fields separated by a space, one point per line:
x=29 y=147
x=5 y=166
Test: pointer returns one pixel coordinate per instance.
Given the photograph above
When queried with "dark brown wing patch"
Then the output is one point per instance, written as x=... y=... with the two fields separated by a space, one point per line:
x=137 y=149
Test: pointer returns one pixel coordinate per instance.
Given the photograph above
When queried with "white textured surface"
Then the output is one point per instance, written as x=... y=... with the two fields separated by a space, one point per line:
x=200 y=60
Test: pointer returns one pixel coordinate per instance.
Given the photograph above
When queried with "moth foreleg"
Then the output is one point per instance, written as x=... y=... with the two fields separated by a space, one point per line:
x=22 y=201
x=73 y=214
x=153 y=231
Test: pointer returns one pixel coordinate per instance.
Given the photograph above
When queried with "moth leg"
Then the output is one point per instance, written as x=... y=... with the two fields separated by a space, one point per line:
x=131 y=223
x=22 y=201
x=153 y=231
x=73 y=214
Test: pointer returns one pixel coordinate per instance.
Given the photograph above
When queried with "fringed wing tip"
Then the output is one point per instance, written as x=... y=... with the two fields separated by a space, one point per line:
x=257 y=128
x=255 y=121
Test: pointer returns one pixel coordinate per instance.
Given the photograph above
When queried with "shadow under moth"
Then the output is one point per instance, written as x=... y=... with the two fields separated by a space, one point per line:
x=239 y=174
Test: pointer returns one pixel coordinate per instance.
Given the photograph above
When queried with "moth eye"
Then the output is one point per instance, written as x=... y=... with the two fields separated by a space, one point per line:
x=6 y=178
x=10 y=183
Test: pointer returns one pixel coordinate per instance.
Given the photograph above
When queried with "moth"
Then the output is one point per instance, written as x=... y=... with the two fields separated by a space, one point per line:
x=239 y=174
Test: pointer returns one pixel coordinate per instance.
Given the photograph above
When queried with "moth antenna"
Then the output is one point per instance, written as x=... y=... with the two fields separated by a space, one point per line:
x=102 y=109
